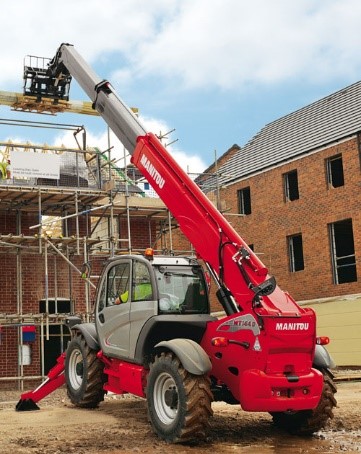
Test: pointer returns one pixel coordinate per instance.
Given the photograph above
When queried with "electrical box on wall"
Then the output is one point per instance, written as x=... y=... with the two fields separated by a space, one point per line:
x=24 y=355
x=29 y=332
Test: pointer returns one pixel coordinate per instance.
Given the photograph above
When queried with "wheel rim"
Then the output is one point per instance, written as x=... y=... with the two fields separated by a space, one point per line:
x=75 y=371
x=166 y=400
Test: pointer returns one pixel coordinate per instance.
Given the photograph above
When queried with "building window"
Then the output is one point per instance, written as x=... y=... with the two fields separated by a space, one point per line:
x=295 y=251
x=291 y=185
x=334 y=169
x=343 y=252
x=244 y=201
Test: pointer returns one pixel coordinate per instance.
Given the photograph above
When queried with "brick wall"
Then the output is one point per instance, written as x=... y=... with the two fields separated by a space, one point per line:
x=8 y=221
x=84 y=226
x=273 y=219
x=142 y=233
x=8 y=351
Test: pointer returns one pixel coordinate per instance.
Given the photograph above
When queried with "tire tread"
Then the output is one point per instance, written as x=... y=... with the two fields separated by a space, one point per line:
x=93 y=393
x=198 y=403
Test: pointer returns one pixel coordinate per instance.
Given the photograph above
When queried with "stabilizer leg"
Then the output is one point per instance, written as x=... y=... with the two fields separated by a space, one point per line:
x=55 y=379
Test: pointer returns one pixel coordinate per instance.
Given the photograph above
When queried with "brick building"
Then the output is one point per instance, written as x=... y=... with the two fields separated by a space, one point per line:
x=295 y=188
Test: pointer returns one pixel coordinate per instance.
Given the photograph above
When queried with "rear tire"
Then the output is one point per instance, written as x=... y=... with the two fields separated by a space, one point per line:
x=306 y=422
x=179 y=403
x=84 y=374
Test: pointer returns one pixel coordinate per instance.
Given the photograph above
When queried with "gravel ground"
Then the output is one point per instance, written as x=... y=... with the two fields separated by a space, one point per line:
x=120 y=425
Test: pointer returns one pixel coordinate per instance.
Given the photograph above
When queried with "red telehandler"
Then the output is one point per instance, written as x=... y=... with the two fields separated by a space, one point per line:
x=153 y=334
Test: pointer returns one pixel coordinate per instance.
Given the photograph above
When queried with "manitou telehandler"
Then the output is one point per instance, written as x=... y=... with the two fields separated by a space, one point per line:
x=153 y=335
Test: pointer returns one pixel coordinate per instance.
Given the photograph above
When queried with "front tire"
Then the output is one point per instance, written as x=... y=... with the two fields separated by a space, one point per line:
x=179 y=403
x=83 y=374
x=306 y=422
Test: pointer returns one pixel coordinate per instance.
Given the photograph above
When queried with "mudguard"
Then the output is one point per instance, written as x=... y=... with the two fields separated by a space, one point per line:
x=72 y=320
x=322 y=358
x=89 y=332
x=192 y=356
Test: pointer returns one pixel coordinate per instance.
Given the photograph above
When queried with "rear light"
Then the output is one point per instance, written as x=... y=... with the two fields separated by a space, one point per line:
x=220 y=342
x=322 y=340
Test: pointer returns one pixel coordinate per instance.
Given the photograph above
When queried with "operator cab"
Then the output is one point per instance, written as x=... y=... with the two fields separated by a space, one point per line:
x=157 y=298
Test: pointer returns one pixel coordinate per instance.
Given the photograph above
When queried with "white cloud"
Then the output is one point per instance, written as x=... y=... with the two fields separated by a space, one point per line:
x=230 y=44
x=191 y=164
x=39 y=27
x=198 y=43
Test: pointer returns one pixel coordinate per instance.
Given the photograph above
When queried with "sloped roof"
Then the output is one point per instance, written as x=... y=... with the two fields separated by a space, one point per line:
x=323 y=122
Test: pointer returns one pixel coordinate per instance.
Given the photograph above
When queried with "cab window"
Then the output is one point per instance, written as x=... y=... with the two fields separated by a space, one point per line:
x=118 y=284
x=141 y=285
x=102 y=296
x=181 y=289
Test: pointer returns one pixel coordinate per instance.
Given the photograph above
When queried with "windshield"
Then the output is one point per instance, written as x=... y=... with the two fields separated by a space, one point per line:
x=181 y=289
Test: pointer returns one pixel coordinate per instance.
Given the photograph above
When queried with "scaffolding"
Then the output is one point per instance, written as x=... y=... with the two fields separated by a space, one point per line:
x=108 y=196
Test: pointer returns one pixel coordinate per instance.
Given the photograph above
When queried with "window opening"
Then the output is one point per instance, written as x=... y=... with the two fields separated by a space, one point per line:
x=52 y=226
x=59 y=336
x=343 y=252
x=291 y=186
x=295 y=248
x=335 y=171
x=181 y=289
x=118 y=284
x=142 y=285
x=244 y=201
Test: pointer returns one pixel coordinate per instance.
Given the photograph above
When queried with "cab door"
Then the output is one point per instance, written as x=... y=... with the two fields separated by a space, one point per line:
x=113 y=309
x=144 y=303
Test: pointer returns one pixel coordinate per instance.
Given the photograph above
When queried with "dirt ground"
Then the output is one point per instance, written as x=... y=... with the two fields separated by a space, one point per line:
x=120 y=425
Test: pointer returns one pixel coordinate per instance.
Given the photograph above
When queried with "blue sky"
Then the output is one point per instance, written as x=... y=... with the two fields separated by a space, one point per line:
x=215 y=70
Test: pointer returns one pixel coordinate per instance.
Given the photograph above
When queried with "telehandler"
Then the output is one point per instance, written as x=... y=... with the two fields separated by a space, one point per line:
x=153 y=334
